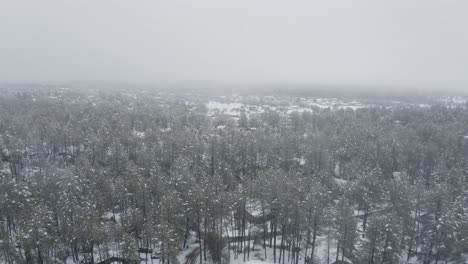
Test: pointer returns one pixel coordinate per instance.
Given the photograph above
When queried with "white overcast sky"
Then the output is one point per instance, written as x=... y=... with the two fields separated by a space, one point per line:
x=412 y=43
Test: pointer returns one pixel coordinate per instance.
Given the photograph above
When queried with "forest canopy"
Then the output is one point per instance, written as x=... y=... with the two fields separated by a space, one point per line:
x=87 y=175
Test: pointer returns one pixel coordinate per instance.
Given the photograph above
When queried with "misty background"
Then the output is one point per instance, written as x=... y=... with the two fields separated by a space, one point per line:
x=420 y=44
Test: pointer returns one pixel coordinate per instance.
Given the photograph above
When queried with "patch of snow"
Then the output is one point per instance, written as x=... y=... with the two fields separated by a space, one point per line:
x=257 y=262
x=301 y=160
x=226 y=108
x=295 y=108
x=399 y=175
x=138 y=134
x=341 y=182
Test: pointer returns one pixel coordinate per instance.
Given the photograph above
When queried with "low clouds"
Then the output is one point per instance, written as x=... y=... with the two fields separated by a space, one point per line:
x=388 y=43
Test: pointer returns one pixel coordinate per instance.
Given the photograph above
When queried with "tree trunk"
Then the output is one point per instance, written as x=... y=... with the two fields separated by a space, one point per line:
x=274 y=241
x=200 y=239
x=186 y=232
x=314 y=238
x=204 y=242
x=364 y=221
x=384 y=254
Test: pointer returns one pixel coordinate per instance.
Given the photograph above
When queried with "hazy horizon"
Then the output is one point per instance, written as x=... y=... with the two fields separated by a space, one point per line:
x=414 y=45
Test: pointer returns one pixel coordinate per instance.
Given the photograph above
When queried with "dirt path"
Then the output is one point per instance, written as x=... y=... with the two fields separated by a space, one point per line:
x=192 y=258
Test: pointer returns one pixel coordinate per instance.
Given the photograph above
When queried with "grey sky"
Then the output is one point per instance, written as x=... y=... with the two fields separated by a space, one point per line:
x=422 y=43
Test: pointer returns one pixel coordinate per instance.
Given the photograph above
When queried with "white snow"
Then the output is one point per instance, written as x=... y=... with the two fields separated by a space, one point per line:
x=341 y=182
x=138 y=134
x=257 y=262
x=300 y=160
x=253 y=105
x=226 y=108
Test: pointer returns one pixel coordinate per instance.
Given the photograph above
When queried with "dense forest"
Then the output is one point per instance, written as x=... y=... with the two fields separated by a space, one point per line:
x=84 y=178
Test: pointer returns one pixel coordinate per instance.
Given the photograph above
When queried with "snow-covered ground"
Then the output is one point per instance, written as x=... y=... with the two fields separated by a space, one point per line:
x=235 y=106
x=453 y=101
x=325 y=252
x=232 y=109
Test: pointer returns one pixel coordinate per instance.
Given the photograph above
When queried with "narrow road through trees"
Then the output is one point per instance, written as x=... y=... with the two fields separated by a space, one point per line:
x=193 y=256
